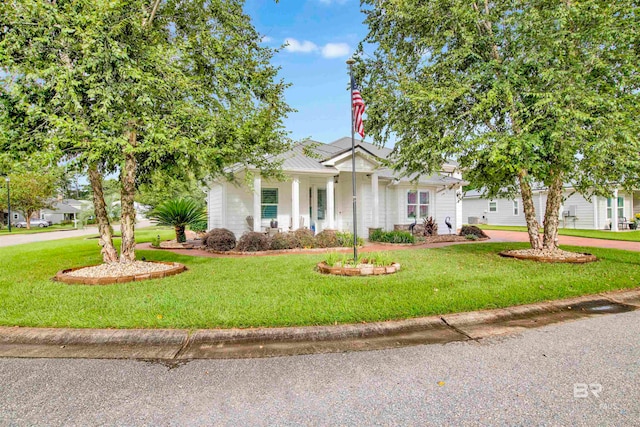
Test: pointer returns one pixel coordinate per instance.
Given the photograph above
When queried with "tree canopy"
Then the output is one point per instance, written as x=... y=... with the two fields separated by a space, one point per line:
x=135 y=86
x=521 y=93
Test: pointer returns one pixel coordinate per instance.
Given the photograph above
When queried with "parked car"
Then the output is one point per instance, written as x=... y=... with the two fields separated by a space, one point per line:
x=34 y=223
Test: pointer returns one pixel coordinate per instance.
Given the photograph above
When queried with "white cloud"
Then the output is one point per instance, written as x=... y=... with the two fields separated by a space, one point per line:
x=293 y=45
x=335 y=50
x=266 y=39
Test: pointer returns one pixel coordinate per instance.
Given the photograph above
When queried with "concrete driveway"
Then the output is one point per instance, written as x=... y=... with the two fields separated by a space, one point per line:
x=18 y=239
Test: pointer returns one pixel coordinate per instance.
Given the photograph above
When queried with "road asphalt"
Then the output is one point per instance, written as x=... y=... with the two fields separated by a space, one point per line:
x=580 y=373
x=18 y=239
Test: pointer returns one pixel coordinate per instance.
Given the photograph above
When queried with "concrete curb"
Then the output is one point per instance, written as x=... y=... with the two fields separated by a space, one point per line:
x=175 y=345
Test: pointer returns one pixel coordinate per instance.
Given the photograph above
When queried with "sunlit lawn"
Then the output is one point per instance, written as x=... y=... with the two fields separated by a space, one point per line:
x=285 y=290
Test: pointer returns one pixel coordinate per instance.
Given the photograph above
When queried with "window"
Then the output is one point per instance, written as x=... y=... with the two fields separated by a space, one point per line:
x=15 y=216
x=516 y=207
x=322 y=203
x=620 y=207
x=417 y=204
x=269 y=202
x=493 y=206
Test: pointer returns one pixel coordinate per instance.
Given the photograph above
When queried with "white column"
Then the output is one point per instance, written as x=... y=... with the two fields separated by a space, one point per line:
x=614 y=211
x=295 y=203
x=314 y=207
x=257 y=203
x=376 y=201
x=330 y=207
x=594 y=200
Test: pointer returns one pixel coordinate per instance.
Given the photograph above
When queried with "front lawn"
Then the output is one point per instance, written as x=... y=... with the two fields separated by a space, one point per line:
x=625 y=235
x=284 y=290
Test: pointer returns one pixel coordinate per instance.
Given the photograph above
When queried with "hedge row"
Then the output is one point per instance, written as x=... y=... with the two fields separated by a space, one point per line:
x=223 y=240
x=396 y=236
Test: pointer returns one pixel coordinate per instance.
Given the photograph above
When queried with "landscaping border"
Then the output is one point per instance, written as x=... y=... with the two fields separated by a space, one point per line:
x=369 y=270
x=63 y=276
x=582 y=260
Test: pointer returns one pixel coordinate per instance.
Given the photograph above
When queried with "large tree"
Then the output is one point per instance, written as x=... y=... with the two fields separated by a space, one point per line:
x=139 y=85
x=522 y=93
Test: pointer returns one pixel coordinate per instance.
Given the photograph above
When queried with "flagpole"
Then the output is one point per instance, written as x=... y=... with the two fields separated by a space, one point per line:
x=350 y=62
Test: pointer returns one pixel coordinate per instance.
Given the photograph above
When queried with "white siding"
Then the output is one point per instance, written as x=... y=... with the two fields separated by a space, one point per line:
x=215 y=206
x=239 y=205
x=445 y=206
x=382 y=205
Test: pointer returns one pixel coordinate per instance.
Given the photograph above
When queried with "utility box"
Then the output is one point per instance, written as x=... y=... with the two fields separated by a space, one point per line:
x=473 y=220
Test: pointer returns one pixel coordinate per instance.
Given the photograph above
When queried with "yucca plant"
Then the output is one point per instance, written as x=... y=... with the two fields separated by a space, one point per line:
x=179 y=213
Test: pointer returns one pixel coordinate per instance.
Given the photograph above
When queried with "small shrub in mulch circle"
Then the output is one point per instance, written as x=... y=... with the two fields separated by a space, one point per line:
x=468 y=230
x=253 y=241
x=327 y=239
x=220 y=239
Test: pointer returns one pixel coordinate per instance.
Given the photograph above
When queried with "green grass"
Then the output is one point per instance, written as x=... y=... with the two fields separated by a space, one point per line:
x=285 y=290
x=627 y=236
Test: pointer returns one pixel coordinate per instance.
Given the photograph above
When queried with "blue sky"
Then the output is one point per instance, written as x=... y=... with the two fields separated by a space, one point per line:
x=321 y=35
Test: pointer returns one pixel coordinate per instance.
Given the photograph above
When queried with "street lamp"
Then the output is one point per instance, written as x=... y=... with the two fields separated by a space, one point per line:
x=8 y=180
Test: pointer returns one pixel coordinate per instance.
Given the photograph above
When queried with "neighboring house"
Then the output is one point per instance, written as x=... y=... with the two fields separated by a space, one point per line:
x=62 y=210
x=317 y=193
x=15 y=216
x=576 y=212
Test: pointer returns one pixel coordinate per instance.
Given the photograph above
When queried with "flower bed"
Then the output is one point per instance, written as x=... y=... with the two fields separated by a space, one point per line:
x=363 y=269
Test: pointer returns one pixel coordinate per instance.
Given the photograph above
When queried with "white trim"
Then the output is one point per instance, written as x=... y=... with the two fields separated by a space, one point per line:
x=257 y=203
x=295 y=203
x=376 y=199
x=516 y=207
x=489 y=206
x=430 y=203
x=359 y=150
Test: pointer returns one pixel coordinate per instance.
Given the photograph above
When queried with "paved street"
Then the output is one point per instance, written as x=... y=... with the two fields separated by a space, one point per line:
x=18 y=239
x=525 y=379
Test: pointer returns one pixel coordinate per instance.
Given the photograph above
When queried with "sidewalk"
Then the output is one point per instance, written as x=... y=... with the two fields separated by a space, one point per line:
x=520 y=236
x=174 y=346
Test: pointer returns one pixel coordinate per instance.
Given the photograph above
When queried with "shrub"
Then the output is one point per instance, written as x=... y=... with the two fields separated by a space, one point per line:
x=396 y=236
x=252 y=241
x=471 y=237
x=327 y=239
x=345 y=239
x=284 y=241
x=156 y=242
x=179 y=213
x=430 y=227
x=305 y=238
x=220 y=239
x=199 y=226
x=467 y=230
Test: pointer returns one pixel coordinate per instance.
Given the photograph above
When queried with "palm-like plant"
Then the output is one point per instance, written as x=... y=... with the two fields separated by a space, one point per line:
x=179 y=213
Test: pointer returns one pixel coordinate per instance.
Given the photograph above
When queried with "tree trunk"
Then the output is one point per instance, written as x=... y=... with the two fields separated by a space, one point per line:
x=551 y=214
x=27 y=218
x=529 y=211
x=128 y=213
x=180 y=234
x=109 y=253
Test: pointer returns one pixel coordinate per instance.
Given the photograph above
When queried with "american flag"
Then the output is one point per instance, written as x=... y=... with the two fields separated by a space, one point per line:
x=358 y=107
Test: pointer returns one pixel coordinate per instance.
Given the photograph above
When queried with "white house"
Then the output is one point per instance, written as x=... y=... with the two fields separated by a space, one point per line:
x=600 y=213
x=317 y=193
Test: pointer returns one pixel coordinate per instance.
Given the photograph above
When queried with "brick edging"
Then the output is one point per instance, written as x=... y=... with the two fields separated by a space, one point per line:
x=583 y=260
x=63 y=276
x=324 y=268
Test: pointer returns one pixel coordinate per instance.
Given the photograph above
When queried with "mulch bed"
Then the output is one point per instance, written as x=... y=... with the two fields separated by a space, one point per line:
x=545 y=255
